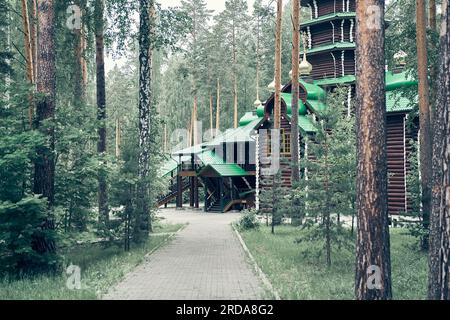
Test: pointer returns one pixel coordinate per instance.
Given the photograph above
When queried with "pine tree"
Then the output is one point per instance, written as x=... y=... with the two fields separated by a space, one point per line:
x=424 y=117
x=103 y=208
x=44 y=167
x=295 y=90
x=373 y=241
x=327 y=193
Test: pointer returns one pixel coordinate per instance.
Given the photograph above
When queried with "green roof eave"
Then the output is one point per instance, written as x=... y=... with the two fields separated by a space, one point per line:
x=191 y=150
x=350 y=79
x=209 y=157
x=305 y=124
x=167 y=167
x=314 y=91
x=287 y=97
x=225 y=170
x=331 y=47
x=329 y=17
x=247 y=118
x=395 y=103
x=399 y=80
x=240 y=134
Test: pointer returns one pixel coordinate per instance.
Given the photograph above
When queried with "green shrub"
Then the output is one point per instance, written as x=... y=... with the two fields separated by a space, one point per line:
x=20 y=227
x=249 y=220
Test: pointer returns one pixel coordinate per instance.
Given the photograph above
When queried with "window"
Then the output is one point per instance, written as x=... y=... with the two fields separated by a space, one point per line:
x=285 y=142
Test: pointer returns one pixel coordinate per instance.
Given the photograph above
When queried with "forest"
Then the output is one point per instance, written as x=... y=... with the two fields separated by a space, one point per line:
x=97 y=97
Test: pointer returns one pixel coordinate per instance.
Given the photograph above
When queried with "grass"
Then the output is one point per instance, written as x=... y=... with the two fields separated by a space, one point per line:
x=298 y=270
x=101 y=269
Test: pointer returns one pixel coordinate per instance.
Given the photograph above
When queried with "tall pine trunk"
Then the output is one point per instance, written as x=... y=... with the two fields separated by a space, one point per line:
x=80 y=63
x=278 y=35
x=373 y=243
x=235 y=81
x=295 y=143
x=143 y=222
x=28 y=55
x=44 y=166
x=218 y=107
x=425 y=125
x=34 y=35
x=439 y=255
x=103 y=209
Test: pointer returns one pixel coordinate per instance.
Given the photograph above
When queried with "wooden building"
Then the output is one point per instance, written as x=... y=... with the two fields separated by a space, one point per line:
x=229 y=168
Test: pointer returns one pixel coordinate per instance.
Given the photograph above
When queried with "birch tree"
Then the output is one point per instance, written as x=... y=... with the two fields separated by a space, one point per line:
x=439 y=255
x=143 y=223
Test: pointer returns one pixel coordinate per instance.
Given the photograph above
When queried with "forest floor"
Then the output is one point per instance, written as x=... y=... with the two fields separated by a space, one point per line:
x=101 y=268
x=298 y=271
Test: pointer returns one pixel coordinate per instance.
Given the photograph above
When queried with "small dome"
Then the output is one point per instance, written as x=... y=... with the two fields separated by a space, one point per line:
x=305 y=67
x=271 y=86
x=400 y=58
x=257 y=103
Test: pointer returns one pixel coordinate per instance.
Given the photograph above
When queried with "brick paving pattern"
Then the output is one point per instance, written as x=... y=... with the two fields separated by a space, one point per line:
x=205 y=261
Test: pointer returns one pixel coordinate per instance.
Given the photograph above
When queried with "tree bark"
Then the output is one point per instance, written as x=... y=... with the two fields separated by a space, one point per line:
x=218 y=107
x=277 y=107
x=34 y=36
x=211 y=112
x=101 y=111
x=425 y=125
x=28 y=55
x=44 y=166
x=432 y=14
x=373 y=243
x=439 y=263
x=143 y=220
x=235 y=84
x=80 y=72
x=295 y=143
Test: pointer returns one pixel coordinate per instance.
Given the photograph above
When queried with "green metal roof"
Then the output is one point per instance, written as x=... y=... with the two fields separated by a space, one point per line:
x=329 y=17
x=225 y=170
x=305 y=124
x=314 y=91
x=209 y=157
x=240 y=134
x=335 y=81
x=191 y=150
x=395 y=102
x=247 y=118
x=317 y=105
x=331 y=47
x=168 y=166
x=287 y=97
x=398 y=80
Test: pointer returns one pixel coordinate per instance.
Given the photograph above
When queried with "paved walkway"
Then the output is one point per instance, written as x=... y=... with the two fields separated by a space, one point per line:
x=205 y=261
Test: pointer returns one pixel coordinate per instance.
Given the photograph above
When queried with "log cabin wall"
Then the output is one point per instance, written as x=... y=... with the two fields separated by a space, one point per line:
x=333 y=64
x=321 y=8
x=399 y=151
x=330 y=41
x=266 y=183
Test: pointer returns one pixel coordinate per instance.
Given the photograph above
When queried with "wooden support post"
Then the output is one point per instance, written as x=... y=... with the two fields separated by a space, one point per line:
x=191 y=192
x=196 y=197
x=221 y=195
x=179 y=192
x=206 y=197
